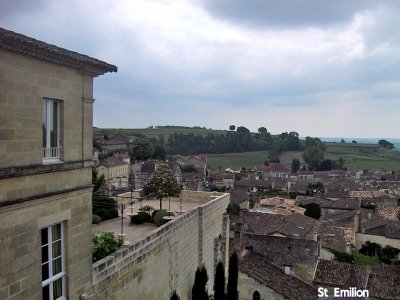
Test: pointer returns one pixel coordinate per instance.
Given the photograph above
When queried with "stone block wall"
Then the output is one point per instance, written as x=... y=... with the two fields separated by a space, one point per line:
x=24 y=83
x=167 y=258
x=20 y=255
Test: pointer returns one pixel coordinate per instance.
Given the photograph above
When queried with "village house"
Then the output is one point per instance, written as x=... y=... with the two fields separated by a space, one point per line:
x=115 y=171
x=275 y=170
x=45 y=168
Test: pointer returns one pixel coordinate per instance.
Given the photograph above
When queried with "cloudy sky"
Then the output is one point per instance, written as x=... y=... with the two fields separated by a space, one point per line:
x=321 y=68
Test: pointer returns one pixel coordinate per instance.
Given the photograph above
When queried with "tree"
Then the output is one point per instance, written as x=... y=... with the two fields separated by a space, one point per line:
x=386 y=144
x=163 y=184
x=232 y=127
x=354 y=142
x=159 y=152
x=262 y=130
x=295 y=165
x=199 y=291
x=174 y=296
x=219 y=282
x=142 y=149
x=97 y=181
x=242 y=129
x=313 y=156
x=343 y=141
x=327 y=165
x=313 y=210
x=233 y=273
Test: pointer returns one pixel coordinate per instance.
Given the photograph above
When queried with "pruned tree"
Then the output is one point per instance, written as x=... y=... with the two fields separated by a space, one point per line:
x=219 y=282
x=262 y=130
x=233 y=273
x=163 y=184
x=199 y=291
x=232 y=127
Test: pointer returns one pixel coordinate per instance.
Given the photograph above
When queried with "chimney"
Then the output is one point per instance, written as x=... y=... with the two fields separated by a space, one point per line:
x=357 y=222
x=348 y=248
x=315 y=237
x=369 y=216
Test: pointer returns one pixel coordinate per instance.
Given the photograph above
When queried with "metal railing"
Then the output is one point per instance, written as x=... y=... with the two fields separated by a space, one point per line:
x=52 y=153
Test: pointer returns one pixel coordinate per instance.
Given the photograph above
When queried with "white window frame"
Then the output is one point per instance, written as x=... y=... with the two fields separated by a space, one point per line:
x=52 y=278
x=52 y=154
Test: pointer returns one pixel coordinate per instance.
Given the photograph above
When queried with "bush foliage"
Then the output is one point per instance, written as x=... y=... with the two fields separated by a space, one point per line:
x=159 y=217
x=140 y=218
x=105 y=243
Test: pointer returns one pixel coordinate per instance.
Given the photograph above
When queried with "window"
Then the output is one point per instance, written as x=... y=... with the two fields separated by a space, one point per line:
x=53 y=275
x=52 y=150
x=256 y=295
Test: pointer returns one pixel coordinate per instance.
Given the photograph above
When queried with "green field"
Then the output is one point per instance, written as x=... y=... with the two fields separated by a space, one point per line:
x=361 y=157
x=237 y=160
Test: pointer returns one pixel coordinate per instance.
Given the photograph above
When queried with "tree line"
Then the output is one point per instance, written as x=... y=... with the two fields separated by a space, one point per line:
x=241 y=140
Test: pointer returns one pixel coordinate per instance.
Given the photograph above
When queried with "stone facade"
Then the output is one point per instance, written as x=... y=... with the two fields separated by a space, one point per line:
x=167 y=258
x=34 y=193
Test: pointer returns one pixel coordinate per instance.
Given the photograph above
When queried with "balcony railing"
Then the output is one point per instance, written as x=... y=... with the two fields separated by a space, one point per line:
x=52 y=154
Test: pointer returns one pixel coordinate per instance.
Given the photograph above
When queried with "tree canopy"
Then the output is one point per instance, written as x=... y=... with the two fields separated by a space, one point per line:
x=313 y=157
x=163 y=184
x=142 y=149
x=386 y=144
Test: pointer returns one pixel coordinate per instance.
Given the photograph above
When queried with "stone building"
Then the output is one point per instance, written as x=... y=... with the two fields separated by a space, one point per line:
x=46 y=108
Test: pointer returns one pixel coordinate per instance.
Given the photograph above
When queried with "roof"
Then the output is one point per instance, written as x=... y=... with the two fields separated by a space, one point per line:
x=113 y=161
x=380 y=284
x=23 y=45
x=338 y=274
x=259 y=268
x=274 y=201
x=293 y=225
x=276 y=167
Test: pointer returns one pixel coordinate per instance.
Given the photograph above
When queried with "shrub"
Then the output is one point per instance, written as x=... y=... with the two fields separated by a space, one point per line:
x=140 y=218
x=233 y=209
x=96 y=219
x=105 y=207
x=105 y=243
x=158 y=217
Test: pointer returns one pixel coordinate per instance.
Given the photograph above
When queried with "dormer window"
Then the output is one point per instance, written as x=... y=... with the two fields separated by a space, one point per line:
x=52 y=150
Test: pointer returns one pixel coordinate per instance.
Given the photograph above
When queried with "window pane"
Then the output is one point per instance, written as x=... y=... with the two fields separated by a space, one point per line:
x=44 y=236
x=57 y=288
x=57 y=249
x=54 y=124
x=46 y=292
x=45 y=271
x=45 y=254
x=56 y=232
x=44 y=124
x=57 y=266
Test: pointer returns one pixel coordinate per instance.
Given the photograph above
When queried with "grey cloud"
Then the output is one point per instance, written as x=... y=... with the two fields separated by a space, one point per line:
x=288 y=13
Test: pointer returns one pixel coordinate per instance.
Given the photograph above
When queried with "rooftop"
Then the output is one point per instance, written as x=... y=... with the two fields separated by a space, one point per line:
x=21 y=44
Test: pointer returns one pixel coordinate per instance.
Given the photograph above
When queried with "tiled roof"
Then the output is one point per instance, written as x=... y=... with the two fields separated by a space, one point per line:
x=334 y=273
x=274 y=201
x=21 y=44
x=393 y=230
x=113 y=161
x=294 y=225
x=259 y=268
x=368 y=194
x=333 y=237
x=388 y=212
x=380 y=283
x=276 y=167
x=238 y=198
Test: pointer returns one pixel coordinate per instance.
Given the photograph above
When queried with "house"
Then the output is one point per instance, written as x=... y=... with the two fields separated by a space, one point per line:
x=115 y=171
x=260 y=279
x=276 y=170
x=45 y=168
x=199 y=162
x=118 y=142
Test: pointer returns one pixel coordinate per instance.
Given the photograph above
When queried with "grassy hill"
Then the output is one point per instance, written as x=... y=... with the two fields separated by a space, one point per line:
x=155 y=132
x=356 y=156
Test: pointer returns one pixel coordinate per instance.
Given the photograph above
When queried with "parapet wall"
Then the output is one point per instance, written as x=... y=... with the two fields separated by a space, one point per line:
x=166 y=259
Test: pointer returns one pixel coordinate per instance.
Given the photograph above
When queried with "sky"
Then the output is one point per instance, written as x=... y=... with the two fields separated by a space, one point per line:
x=320 y=68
